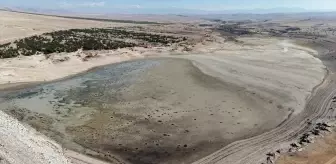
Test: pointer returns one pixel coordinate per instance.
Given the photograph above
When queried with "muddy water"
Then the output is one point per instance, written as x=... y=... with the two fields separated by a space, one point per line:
x=50 y=108
x=143 y=112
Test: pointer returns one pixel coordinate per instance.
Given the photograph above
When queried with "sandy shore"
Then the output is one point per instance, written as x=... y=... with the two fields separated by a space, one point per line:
x=39 y=68
x=22 y=144
x=278 y=70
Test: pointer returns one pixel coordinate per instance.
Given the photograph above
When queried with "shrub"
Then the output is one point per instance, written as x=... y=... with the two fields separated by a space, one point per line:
x=88 y=39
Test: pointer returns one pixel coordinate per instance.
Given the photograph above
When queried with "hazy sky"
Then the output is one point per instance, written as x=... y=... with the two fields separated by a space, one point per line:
x=209 y=5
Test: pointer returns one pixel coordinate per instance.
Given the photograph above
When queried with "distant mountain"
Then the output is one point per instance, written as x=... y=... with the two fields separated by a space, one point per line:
x=159 y=11
x=139 y=10
x=183 y=11
x=266 y=11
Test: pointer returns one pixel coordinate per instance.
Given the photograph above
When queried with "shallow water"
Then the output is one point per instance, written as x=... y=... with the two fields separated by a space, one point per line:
x=51 y=108
x=91 y=89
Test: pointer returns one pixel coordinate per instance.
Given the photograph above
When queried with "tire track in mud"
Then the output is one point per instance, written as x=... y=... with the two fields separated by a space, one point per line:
x=254 y=150
x=331 y=161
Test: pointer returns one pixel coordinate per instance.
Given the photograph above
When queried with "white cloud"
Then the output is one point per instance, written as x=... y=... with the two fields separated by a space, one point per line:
x=93 y=4
x=65 y=4
x=135 y=6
